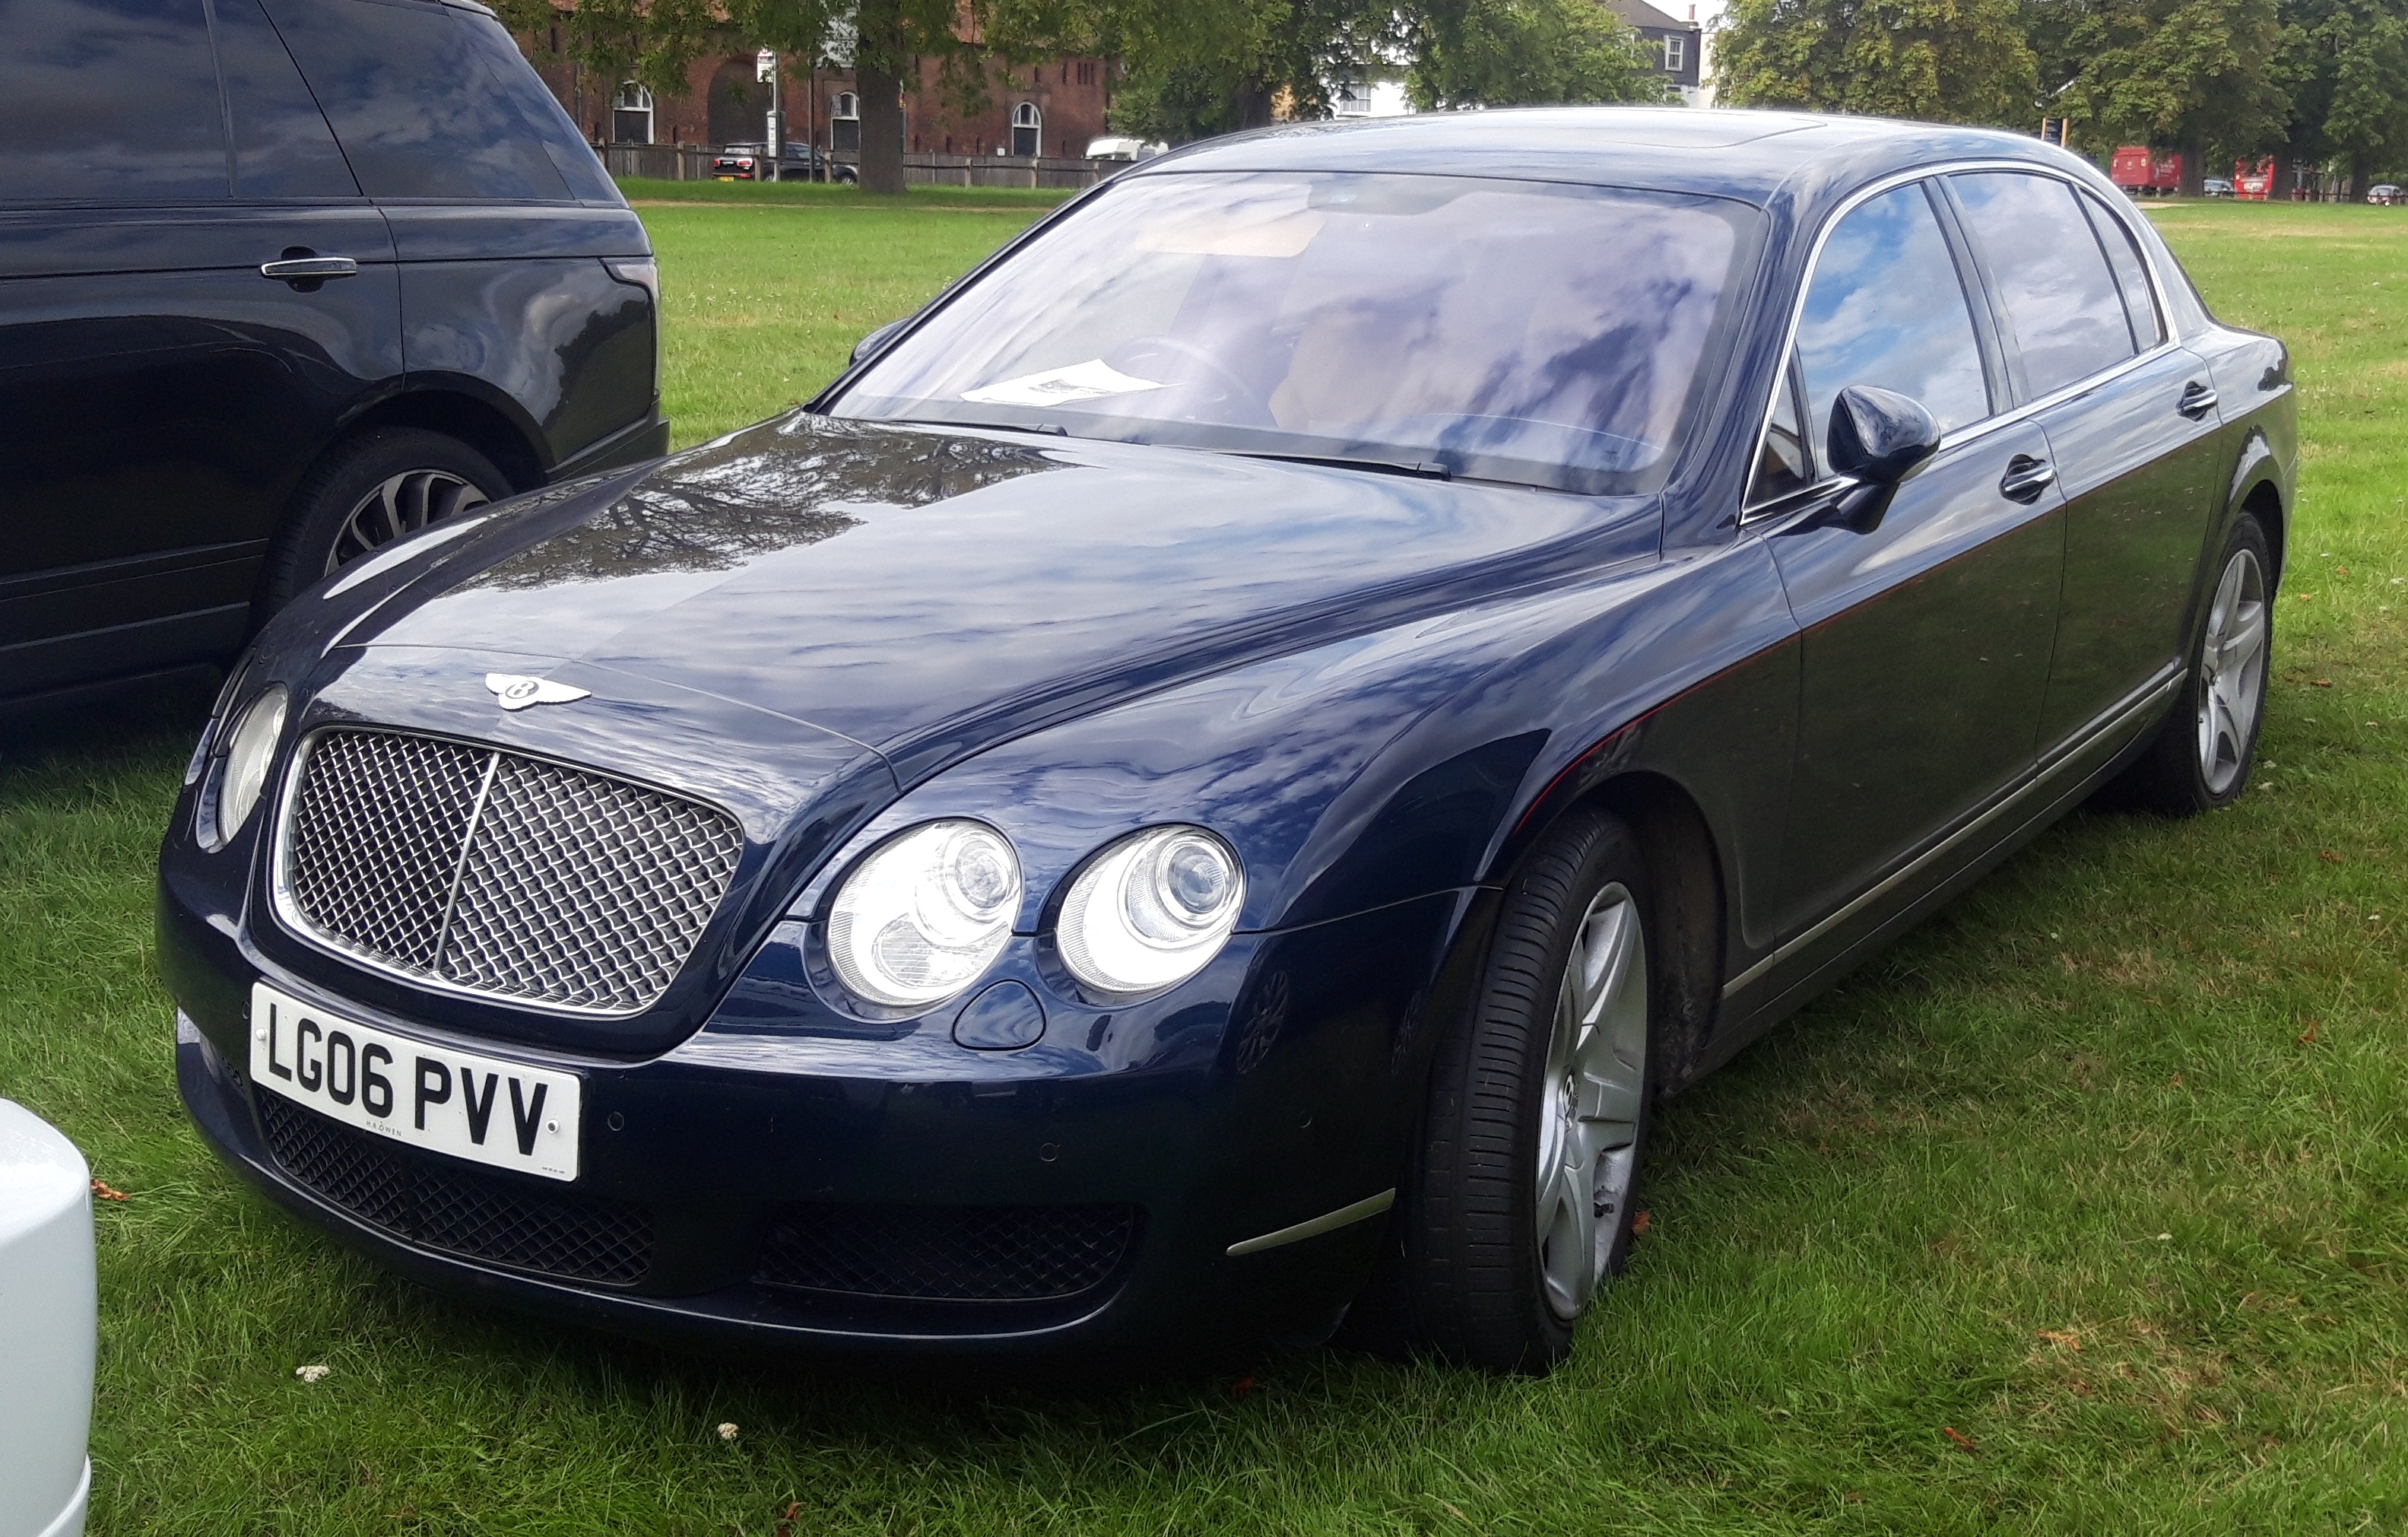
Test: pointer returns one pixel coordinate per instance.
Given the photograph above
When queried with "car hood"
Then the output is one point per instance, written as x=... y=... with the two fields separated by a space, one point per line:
x=927 y=593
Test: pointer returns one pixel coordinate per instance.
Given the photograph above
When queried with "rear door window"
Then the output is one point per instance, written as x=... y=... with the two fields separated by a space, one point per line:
x=283 y=146
x=414 y=103
x=2140 y=304
x=2049 y=272
x=110 y=101
x=1886 y=309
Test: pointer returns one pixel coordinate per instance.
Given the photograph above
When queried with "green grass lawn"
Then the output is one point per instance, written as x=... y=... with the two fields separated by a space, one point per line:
x=2104 y=1171
x=764 y=289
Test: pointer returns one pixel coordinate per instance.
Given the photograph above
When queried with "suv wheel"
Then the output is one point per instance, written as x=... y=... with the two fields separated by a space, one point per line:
x=1521 y=1201
x=370 y=490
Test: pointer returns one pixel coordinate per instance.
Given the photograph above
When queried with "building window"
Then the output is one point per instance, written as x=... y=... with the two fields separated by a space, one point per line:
x=631 y=115
x=1086 y=70
x=844 y=123
x=1674 y=52
x=1028 y=130
x=1351 y=99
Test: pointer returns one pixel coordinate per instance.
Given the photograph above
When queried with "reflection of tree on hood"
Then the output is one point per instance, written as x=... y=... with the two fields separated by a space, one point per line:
x=751 y=495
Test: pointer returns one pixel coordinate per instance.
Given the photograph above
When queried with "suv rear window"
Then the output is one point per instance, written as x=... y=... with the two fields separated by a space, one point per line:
x=412 y=91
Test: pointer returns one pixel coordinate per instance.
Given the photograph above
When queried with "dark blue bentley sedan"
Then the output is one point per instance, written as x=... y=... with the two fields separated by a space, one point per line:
x=1208 y=786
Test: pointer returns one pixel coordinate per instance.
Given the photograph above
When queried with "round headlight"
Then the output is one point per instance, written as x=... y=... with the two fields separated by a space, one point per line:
x=1151 y=910
x=925 y=915
x=249 y=750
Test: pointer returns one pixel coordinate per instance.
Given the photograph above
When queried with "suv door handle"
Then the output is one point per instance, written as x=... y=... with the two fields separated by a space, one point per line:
x=2197 y=399
x=300 y=269
x=2026 y=478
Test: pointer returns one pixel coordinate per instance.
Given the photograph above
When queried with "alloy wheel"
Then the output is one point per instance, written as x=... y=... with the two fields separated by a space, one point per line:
x=400 y=504
x=2233 y=667
x=1595 y=1085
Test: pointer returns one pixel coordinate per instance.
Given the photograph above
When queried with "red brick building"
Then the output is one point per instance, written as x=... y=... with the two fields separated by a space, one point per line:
x=1050 y=109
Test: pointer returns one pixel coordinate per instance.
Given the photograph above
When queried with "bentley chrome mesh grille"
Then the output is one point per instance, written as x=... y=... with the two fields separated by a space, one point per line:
x=500 y=874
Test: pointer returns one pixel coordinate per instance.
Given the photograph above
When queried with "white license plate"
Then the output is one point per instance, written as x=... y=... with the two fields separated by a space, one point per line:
x=480 y=1108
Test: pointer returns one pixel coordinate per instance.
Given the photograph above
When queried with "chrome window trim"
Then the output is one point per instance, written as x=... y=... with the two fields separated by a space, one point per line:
x=288 y=914
x=1750 y=515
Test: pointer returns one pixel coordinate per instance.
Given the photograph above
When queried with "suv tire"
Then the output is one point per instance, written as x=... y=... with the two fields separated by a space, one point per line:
x=368 y=491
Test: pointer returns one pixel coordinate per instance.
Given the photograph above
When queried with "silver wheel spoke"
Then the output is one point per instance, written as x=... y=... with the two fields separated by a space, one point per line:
x=2233 y=667
x=400 y=504
x=1595 y=1085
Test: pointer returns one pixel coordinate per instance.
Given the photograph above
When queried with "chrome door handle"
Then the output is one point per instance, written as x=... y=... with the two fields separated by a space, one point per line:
x=2197 y=399
x=2026 y=478
x=293 y=269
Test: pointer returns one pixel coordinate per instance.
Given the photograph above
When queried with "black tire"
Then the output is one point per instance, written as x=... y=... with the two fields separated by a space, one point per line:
x=1461 y=1275
x=2171 y=777
x=442 y=477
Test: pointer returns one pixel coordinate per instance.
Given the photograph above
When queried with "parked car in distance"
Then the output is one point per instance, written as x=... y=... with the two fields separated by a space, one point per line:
x=1121 y=147
x=2215 y=186
x=1209 y=784
x=2386 y=195
x=49 y=1313
x=796 y=162
x=229 y=365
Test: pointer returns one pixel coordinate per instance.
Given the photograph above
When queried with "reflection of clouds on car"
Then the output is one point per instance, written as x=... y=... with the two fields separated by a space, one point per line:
x=1502 y=330
x=730 y=503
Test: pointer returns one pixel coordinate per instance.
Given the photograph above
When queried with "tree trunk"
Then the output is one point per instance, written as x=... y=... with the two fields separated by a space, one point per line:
x=2194 y=171
x=1254 y=105
x=2362 y=175
x=882 y=130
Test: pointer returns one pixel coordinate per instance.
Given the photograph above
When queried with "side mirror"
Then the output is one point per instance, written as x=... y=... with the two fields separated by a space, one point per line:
x=1876 y=436
x=877 y=338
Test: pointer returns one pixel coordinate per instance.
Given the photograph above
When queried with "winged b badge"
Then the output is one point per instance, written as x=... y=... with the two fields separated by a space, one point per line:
x=516 y=692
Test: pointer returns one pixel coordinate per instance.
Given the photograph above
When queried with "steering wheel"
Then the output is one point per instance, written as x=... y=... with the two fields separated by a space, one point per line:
x=1127 y=356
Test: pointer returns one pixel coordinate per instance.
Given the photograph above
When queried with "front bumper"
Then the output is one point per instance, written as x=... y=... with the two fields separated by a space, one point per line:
x=1278 y=1086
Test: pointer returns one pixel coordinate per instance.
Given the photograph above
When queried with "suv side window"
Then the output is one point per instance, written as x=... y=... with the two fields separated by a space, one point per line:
x=282 y=147
x=110 y=101
x=413 y=105
x=2049 y=272
x=1886 y=307
x=2140 y=305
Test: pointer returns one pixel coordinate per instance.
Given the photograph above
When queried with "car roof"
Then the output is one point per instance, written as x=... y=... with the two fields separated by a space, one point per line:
x=1748 y=155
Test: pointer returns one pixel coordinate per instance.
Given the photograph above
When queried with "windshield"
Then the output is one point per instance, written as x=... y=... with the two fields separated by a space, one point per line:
x=1504 y=330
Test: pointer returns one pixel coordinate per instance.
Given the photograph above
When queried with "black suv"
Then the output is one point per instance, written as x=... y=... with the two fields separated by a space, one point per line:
x=280 y=281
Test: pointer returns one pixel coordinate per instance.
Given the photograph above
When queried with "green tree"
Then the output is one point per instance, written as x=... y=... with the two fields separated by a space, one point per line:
x=648 y=40
x=2188 y=74
x=1947 y=61
x=1211 y=66
x=2346 y=67
x=1515 y=53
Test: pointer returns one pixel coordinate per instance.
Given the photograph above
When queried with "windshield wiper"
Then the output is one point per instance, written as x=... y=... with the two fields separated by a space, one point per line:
x=1422 y=469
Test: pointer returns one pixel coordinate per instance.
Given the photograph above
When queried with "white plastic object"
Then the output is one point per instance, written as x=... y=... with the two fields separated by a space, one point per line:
x=49 y=1322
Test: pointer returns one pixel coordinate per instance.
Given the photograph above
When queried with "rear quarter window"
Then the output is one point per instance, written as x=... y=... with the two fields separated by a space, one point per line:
x=413 y=96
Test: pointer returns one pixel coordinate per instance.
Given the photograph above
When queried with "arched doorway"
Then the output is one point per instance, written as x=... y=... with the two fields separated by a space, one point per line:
x=736 y=104
x=1028 y=130
x=844 y=123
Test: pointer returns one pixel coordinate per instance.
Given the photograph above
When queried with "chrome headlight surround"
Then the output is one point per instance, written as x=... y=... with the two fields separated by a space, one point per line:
x=1151 y=909
x=925 y=915
x=237 y=781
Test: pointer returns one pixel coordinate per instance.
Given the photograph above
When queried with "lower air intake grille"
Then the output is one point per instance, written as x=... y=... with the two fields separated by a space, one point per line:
x=458 y=1210
x=961 y=1254
x=500 y=874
